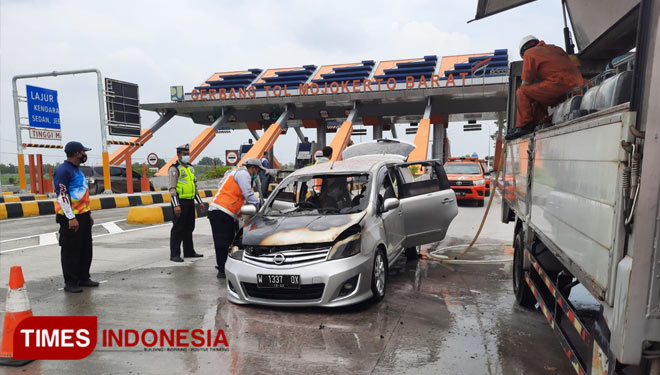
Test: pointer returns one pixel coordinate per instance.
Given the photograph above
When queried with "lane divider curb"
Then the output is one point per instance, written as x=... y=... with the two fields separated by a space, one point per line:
x=47 y=207
x=157 y=214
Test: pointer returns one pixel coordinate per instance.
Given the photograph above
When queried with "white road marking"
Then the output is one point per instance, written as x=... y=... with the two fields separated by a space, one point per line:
x=97 y=236
x=112 y=227
x=48 y=239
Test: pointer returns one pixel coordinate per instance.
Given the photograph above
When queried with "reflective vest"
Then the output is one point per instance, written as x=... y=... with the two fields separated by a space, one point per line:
x=229 y=197
x=185 y=184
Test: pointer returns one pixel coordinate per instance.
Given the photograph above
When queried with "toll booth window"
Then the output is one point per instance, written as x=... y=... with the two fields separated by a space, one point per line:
x=320 y=195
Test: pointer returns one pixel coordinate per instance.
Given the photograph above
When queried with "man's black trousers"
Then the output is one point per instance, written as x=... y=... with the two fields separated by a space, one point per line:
x=182 y=229
x=76 y=247
x=224 y=229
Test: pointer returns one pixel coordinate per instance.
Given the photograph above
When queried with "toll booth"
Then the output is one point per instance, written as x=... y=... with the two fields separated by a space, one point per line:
x=304 y=154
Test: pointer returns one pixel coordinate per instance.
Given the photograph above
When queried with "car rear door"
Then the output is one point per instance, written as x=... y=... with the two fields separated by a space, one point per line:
x=427 y=202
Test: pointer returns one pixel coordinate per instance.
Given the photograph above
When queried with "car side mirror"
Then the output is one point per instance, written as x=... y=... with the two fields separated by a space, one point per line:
x=390 y=204
x=249 y=210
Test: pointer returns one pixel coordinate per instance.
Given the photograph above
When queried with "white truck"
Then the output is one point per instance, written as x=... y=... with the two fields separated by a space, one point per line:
x=584 y=193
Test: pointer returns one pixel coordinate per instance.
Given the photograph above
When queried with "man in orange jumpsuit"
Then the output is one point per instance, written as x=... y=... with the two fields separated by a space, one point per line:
x=548 y=73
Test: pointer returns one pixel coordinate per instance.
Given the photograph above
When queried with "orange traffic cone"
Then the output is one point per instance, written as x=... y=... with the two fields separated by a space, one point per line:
x=17 y=308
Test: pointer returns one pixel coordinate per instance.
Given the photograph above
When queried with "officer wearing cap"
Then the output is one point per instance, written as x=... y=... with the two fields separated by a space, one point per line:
x=234 y=190
x=74 y=218
x=183 y=188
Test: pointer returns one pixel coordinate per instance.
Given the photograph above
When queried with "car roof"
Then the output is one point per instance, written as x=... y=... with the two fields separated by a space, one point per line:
x=358 y=164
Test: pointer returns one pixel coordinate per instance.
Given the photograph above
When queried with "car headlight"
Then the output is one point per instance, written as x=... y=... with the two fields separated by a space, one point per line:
x=479 y=182
x=236 y=253
x=346 y=247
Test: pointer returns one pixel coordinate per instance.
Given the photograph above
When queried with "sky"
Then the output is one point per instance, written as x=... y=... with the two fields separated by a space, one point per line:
x=158 y=44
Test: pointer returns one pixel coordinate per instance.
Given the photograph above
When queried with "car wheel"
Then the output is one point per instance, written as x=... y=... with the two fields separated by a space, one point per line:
x=412 y=253
x=523 y=293
x=480 y=203
x=379 y=276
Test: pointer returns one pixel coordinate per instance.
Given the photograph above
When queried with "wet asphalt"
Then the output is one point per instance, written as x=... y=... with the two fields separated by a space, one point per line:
x=436 y=318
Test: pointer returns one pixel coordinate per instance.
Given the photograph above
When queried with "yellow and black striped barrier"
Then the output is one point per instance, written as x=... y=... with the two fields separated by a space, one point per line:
x=125 y=143
x=37 y=145
x=23 y=198
x=47 y=207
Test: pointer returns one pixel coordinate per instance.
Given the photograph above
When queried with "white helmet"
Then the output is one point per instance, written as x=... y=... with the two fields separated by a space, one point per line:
x=526 y=40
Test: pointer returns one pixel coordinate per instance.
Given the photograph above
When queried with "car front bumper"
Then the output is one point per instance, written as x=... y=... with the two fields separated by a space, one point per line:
x=470 y=192
x=242 y=278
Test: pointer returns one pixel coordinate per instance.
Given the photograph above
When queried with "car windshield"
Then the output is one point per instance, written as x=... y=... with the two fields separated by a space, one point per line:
x=312 y=195
x=87 y=171
x=462 y=168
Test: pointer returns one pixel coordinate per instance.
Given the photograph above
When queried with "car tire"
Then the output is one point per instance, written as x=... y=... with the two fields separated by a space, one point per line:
x=379 y=276
x=521 y=290
x=480 y=203
x=412 y=253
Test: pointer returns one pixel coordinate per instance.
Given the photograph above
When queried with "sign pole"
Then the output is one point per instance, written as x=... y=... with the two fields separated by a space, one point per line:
x=104 y=137
x=17 y=119
x=19 y=140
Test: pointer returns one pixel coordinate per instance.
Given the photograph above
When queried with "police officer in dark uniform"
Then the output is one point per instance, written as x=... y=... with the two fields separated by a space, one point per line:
x=183 y=188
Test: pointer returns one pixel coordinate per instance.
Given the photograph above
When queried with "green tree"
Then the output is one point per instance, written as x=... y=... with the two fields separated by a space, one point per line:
x=209 y=161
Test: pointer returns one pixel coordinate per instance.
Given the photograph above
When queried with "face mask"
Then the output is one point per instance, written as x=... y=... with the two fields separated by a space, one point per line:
x=185 y=159
x=254 y=177
x=83 y=159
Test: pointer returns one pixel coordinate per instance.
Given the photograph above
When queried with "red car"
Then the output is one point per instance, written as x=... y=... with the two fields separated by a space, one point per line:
x=467 y=179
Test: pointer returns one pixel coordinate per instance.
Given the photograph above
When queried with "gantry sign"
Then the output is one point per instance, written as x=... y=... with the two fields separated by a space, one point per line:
x=425 y=90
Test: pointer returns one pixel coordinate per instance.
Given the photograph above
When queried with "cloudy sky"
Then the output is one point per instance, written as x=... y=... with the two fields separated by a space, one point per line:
x=161 y=43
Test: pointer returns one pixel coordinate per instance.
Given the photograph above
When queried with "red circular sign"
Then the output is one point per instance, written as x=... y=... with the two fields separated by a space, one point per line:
x=152 y=159
x=232 y=157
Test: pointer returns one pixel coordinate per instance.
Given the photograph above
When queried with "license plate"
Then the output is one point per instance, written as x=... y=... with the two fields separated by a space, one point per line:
x=459 y=193
x=278 y=281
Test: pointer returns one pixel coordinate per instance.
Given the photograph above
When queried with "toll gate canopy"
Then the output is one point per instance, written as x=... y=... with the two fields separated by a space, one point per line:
x=373 y=93
x=396 y=90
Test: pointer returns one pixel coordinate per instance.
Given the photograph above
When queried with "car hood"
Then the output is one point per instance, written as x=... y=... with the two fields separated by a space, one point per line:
x=291 y=230
x=465 y=177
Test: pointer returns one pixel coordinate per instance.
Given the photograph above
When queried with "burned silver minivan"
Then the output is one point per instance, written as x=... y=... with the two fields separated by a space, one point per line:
x=326 y=235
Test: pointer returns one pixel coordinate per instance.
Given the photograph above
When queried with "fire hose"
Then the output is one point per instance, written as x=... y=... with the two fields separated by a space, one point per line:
x=435 y=254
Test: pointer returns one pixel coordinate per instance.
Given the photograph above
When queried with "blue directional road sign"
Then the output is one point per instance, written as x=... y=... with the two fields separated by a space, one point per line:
x=43 y=110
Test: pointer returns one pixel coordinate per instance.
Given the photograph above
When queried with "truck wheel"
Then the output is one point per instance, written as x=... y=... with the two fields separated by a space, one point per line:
x=524 y=295
x=480 y=203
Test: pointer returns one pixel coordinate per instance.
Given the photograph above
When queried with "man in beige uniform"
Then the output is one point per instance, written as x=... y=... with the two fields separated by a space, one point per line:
x=183 y=188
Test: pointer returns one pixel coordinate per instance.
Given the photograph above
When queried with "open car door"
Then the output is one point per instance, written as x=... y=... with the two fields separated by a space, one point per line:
x=427 y=202
x=486 y=8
